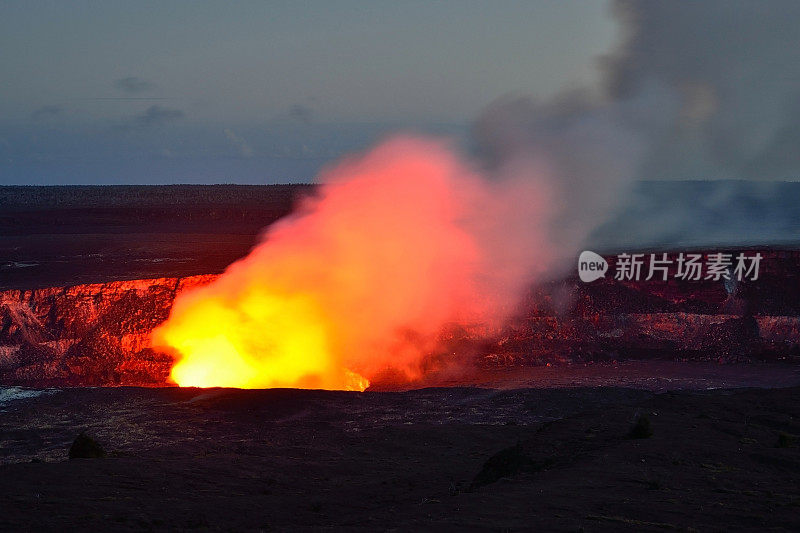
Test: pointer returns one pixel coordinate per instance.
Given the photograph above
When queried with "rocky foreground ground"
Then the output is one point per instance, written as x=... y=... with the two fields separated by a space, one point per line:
x=455 y=459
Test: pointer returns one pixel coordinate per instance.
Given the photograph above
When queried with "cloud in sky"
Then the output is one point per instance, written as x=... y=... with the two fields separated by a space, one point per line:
x=711 y=88
x=301 y=113
x=46 y=111
x=134 y=85
x=156 y=115
x=242 y=146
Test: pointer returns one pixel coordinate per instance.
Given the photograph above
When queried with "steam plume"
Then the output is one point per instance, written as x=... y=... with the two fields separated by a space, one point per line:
x=412 y=235
x=722 y=81
x=396 y=244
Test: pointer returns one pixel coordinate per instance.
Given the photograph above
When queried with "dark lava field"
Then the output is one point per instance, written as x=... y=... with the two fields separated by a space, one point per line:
x=443 y=459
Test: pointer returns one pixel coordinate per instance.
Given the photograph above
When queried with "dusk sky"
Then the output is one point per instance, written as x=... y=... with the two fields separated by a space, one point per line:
x=270 y=92
x=260 y=92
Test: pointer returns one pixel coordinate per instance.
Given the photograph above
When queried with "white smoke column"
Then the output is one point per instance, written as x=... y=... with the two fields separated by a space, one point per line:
x=722 y=80
x=583 y=152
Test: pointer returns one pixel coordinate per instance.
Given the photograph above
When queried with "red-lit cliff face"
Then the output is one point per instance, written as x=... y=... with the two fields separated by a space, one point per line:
x=95 y=334
x=673 y=319
x=99 y=334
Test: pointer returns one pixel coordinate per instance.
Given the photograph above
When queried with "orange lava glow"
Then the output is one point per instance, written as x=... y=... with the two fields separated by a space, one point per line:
x=359 y=280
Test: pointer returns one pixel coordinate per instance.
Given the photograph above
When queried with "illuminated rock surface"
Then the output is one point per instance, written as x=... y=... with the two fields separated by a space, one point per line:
x=99 y=334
